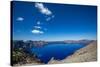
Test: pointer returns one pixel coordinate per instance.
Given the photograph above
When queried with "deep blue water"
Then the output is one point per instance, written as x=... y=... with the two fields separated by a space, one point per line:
x=58 y=51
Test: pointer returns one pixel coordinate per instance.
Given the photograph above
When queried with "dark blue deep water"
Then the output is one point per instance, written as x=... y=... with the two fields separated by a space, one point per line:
x=58 y=51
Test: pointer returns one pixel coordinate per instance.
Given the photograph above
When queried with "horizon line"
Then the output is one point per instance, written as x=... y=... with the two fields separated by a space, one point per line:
x=54 y=40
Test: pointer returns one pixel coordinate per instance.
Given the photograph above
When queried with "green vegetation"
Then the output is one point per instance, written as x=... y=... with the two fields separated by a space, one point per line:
x=20 y=57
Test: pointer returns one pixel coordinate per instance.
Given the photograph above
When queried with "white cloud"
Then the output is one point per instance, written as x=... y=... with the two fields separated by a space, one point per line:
x=49 y=18
x=37 y=27
x=37 y=31
x=20 y=19
x=38 y=22
x=42 y=9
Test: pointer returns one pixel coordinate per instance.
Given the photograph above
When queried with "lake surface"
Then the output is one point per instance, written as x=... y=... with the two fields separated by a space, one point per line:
x=57 y=51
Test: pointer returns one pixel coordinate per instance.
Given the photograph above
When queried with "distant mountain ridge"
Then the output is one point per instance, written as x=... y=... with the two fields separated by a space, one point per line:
x=30 y=43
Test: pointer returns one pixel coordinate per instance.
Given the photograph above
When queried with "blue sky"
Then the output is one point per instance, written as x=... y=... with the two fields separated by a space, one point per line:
x=46 y=21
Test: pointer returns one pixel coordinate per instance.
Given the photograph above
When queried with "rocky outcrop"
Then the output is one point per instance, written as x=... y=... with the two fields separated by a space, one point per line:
x=85 y=54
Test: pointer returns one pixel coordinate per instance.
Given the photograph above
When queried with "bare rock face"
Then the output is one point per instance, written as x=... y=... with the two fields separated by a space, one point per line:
x=85 y=54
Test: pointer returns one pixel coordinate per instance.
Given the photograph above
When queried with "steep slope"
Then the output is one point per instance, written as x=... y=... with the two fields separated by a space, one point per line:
x=86 y=54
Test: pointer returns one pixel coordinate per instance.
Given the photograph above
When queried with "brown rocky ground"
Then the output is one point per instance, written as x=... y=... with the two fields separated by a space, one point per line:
x=85 y=54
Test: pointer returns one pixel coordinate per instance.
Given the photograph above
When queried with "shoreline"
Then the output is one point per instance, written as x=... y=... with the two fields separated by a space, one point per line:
x=85 y=54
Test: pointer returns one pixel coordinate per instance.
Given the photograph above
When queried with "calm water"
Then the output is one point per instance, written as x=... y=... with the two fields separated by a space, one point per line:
x=58 y=51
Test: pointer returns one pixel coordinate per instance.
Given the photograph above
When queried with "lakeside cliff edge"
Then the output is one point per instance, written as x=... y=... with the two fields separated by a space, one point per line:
x=85 y=54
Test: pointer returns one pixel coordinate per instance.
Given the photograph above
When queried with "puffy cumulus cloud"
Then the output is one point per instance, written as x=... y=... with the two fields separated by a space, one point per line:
x=48 y=15
x=42 y=9
x=49 y=18
x=20 y=19
x=37 y=31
